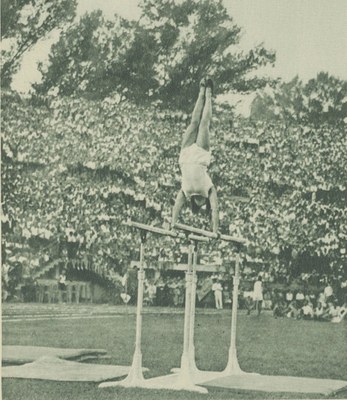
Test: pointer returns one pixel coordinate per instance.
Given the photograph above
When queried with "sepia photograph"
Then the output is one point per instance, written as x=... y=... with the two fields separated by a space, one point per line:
x=173 y=199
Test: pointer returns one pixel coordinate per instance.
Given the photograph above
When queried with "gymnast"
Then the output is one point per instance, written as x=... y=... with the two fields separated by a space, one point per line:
x=195 y=156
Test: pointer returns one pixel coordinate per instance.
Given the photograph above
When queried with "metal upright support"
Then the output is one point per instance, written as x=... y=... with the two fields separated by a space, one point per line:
x=233 y=367
x=193 y=283
x=193 y=367
x=184 y=378
x=186 y=333
x=135 y=377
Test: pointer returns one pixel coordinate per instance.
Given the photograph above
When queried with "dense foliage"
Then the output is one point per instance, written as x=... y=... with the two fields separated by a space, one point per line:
x=322 y=100
x=24 y=23
x=160 y=57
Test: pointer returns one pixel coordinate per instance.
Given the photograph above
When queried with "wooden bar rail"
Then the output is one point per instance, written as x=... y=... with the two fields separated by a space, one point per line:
x=210 y=234
x=153 y=229
x=164 y=232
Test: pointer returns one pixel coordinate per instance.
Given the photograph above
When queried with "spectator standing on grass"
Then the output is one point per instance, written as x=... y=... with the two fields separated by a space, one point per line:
x=61 y=284
x=218 y=290
x=226 y=292
x=62 y=280
x=328 y=293
x=181 y=291
x=165 y=298
x=173 y=285
x=152 y=293
x=258 y=294
x=160 y=291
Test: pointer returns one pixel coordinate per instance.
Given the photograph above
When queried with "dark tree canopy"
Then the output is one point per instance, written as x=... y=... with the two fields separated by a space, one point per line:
x=24 y=23
x=321 y=100
x=160 y=57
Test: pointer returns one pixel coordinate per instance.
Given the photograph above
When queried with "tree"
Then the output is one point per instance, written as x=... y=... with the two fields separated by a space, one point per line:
x=96 y=57
x=160 y=57
x=325 y=99
x=24 y=23
x=322 y=100
x=203 y=37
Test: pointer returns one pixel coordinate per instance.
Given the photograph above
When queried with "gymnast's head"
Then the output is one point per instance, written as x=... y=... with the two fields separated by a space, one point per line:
x=198 y=202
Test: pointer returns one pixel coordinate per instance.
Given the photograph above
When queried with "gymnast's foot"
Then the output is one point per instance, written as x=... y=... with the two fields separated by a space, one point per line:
x=209 y=84
x=202 y=83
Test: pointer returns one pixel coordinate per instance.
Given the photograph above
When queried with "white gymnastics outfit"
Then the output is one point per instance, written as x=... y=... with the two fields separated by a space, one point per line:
x=193 y=162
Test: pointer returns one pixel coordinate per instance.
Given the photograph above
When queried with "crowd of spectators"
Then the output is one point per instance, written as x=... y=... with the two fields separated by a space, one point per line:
x=74 y=170
x=324 y=306
x=323 y=302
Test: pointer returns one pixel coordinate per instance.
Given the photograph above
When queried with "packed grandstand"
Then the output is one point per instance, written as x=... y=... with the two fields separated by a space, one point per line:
x=74 y=170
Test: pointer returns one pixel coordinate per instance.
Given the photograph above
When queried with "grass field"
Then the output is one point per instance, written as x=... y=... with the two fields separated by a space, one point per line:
x=266 y=345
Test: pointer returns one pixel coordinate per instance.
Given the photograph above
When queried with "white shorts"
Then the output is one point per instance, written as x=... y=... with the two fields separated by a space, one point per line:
x=195 y=154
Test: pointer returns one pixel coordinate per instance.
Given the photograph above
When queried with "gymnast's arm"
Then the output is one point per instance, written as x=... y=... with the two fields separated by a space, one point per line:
x=214 y=209
x=179 y=202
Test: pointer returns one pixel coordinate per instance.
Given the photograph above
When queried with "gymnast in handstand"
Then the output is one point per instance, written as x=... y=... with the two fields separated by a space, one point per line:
x=195 y=156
